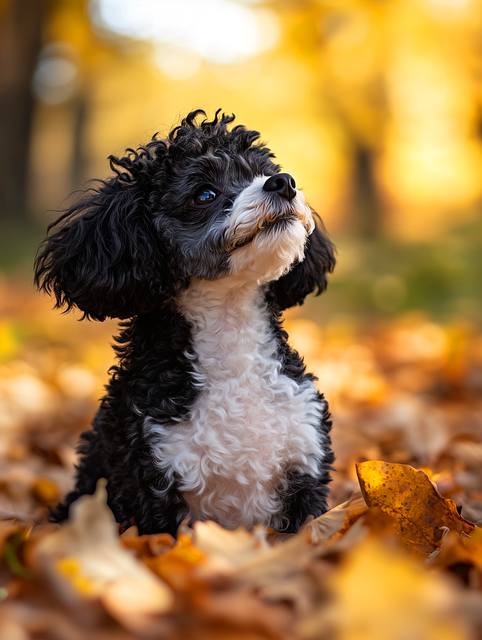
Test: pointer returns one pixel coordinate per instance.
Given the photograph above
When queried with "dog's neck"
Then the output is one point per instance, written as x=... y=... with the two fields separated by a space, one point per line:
x=227 y=317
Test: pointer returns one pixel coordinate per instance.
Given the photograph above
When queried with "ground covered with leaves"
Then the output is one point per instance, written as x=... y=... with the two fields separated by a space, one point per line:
x=398 y=557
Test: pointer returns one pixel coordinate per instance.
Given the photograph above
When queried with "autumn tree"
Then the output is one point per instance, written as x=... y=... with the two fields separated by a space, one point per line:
x=21 y=25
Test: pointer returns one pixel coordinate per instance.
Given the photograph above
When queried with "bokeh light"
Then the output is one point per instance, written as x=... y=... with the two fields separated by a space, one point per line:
x=221 y=31
x=56 y=78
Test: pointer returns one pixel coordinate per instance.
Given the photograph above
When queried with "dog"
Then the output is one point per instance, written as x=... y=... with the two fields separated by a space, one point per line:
x=197 y=244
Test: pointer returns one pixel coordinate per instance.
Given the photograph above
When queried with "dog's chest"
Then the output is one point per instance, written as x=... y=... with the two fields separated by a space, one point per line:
x=250 y=424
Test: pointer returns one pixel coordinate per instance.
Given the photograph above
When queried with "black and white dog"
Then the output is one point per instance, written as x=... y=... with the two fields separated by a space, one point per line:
x=198 y=243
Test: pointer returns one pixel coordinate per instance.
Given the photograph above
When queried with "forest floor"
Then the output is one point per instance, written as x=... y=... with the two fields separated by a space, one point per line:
x=398 y=557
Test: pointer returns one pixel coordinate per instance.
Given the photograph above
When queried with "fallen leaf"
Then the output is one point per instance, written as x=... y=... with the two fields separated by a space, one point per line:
x=378 y=522
x=152 y=545
x=453 y=552
x=176 y=566
x=46 y=492
x=379 y=594
x=230 y=615
x=472 y=511
x=277 y=563
x=420 y=513
x=85 y=559
x=337 y=520
x=11 y=555
x=231 y=548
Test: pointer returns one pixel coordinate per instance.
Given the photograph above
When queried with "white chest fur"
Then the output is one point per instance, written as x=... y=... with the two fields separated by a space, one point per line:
x=250 y=424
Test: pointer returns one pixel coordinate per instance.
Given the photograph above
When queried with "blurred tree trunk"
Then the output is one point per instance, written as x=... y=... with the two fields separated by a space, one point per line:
x=79 y=161
x=21 y=24
x=367 y=203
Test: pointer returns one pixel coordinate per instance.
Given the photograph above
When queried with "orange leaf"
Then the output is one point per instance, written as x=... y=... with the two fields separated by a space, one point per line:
x=175 y=566
x=420 y=513
x=45 y=492
x=152 y=545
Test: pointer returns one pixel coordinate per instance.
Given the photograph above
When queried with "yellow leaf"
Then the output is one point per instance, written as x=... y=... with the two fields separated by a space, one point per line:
x=421 y=515
x=381 y=594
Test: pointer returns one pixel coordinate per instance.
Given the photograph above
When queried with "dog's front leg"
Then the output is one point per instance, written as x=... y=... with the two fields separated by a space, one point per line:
x=161 y=509
x=303 y=496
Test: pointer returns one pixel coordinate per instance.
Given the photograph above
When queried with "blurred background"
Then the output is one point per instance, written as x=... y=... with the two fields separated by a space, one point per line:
x=374 y=106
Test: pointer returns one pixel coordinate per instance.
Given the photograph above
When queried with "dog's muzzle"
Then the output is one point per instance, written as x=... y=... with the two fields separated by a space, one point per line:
x=258 y=208
x=283 y=184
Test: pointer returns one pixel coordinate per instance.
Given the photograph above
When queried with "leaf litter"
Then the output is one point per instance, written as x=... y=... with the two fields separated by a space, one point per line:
x=397 y=557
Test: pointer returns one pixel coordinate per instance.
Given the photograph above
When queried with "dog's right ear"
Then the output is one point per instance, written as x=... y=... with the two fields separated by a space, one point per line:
x=104 y=255
x=310 y=274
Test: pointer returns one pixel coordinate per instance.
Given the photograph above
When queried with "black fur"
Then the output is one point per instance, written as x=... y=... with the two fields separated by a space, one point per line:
x=126 y=250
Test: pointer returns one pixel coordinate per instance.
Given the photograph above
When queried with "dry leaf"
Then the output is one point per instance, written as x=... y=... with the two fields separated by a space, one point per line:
x=420 y=513
x=337 y=520
x=229 y=615
x=176 y=566
x=229 y=584
x=85 y=559
x=152 y=545
x=380 y=594
x=45 y=492
x=453 y=551
x=277 y=563
x=229 y=549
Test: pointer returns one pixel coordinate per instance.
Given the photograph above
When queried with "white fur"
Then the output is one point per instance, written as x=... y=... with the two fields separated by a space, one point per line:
x=269 y=255
x=250 y=424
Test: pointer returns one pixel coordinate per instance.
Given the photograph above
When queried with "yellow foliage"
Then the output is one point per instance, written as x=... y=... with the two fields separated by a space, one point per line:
x=397 y=80
x=420 y=513
x=8 y=342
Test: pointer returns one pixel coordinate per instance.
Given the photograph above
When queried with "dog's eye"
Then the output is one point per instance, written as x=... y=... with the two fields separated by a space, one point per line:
x=205 y=195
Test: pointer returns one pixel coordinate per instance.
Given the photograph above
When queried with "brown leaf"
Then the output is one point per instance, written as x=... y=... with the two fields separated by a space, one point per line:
x=421 y=514
x=378 y=522
x=336 y=521
x=453 y=552
x=230 y=615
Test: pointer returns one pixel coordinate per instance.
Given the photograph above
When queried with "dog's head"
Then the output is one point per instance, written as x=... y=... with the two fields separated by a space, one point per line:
x=203 y=203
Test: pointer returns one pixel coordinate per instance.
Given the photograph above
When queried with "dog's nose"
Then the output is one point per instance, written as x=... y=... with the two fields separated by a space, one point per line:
x=281 y=183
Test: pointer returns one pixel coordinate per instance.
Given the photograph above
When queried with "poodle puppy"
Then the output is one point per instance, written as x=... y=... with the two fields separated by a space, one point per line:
x=198 y=243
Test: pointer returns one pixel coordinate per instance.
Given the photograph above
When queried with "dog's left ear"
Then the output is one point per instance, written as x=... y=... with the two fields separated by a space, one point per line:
x=104 y=254
x=309 y=275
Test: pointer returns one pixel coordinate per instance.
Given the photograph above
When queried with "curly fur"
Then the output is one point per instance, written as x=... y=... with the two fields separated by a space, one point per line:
x=209 y=413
